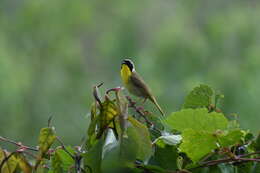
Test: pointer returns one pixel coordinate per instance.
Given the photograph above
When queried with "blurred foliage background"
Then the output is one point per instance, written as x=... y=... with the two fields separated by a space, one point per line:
x=53 y=52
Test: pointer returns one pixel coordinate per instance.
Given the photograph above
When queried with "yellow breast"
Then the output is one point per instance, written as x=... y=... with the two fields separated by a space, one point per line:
x=125 y=73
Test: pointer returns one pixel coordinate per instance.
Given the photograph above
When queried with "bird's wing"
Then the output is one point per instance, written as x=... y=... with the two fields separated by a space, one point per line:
x=140 y=84
x=143 y=89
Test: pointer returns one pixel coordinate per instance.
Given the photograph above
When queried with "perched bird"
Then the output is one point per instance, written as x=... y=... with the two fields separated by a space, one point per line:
x=135 y=84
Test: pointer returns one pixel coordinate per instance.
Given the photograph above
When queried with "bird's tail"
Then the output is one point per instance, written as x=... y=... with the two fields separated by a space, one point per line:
x=157 y=105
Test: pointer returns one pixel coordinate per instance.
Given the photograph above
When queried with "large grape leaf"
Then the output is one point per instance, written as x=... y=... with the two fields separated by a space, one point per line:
x=197 y=119
x=199 y=97
x=197 y=144
x=230 y=137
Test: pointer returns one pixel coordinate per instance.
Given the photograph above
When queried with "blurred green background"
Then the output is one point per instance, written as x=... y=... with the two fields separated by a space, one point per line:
x=53 y=52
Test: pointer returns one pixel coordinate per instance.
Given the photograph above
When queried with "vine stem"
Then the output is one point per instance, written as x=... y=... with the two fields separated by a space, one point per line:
x=226 y=160
x=249 y=154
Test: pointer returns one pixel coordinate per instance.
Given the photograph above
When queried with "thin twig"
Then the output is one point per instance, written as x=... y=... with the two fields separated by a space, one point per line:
x=30 y=154
x=226 y=160
x=132 y=104
x=214 y=162
x=249 y=159
x=64 y=148
x=18 y=144
x=249 y=154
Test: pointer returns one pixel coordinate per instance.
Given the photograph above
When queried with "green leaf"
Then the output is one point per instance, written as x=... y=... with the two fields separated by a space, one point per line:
x=233 y=124
x=197 y=119
x=257 y=143
x=62 y=161
x=201 y=170
x=56 y=164
x=197 y=144
x=93 y=157
x=46 y=139
x=218 y=97
x=231 y=138
x=42 y=170
x=220 y=168
x=23 y=163
x=122 y=105
x=142 y=137
x=199 y=97
x=151 y=168
x=119 y=159
x=10 y=165
x=91 y=132
x=135 y=144
x=166 y=157
x=249 y=137
x=108 y=112
x=256 y=167
x=244 y=167
x=226 y=168
x=128 y=151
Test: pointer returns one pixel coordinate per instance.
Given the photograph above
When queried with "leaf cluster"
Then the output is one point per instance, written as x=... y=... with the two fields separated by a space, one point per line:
x=123 y=137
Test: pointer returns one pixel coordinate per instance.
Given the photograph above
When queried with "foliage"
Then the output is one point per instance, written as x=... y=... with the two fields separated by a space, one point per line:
x=197 y=138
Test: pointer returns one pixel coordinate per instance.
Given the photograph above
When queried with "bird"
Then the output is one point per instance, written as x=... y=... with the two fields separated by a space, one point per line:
x=135 y=84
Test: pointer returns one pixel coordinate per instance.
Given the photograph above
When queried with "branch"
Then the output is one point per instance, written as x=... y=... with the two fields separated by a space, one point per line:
x=19 y=144
x=132 y=104
x=226 y=160
x=249 y=154
x=147 y=170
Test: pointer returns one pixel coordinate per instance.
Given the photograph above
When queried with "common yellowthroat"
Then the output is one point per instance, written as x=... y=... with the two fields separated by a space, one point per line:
x=135 y=84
